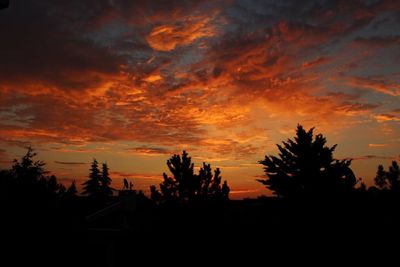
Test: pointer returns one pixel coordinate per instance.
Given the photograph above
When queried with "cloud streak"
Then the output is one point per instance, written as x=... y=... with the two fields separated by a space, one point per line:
x=184 y=32
x=70 y=163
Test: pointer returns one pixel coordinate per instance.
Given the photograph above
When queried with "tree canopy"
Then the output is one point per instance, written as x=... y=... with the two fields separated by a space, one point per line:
x=388 y=180
x=91 y=187
x=105 y=181
x=305 y=167
x=28 y=179
x=186 y=186
x=99 y=182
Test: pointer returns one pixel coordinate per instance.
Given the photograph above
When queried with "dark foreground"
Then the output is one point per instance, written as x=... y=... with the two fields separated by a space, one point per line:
x=249 y=232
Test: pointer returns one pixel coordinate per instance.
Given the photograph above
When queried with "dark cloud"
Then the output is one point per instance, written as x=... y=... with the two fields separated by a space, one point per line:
x=378 y=41
x=368 y=157
x=134 y=175
x=36 y=49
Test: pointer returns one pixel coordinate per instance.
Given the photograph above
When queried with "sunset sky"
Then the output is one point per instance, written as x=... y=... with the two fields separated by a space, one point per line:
x=132 y=82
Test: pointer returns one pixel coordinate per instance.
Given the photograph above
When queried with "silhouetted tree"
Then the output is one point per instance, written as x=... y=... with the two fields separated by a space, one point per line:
x=92 y=186
x=210 y=184
x=155 y=194
x=380 y=178
x=28 y=177
x=71 y=191
x=363 y=186
x=306 y=167
x=52 y=187
x=126 y=184
x=105 y=181
x=28 y=171
x=388 y=180
x=184 y=185
x=225 y=190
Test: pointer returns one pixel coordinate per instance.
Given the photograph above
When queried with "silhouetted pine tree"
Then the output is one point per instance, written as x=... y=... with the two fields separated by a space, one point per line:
x=187 y=186
x=388 y=180
x=92 y=186
x=71 y=191
x=306 y=167
x=52 y=188
x=105 y=181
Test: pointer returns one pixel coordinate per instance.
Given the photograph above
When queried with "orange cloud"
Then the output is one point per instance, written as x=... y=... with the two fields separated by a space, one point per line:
x=376 y=145
x=182 y=33
x=244 y=191
x=153 y=78
x=376 y=84
x=386 y=117
x=371 y=157
x=151 y=151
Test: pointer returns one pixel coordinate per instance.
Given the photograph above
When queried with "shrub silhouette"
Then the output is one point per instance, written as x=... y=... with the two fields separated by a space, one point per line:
x=306 y=167
x=388 y=180
x=186 y=186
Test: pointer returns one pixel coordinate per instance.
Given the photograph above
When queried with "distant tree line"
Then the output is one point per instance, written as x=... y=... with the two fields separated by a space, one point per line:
x=304 y=168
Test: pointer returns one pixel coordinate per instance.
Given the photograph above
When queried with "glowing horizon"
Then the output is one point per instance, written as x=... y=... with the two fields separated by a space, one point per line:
x=131 y=84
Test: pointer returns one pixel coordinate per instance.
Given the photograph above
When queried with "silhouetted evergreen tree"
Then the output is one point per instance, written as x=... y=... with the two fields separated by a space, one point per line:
x=92 y=186
x=306 y=167
x=184 y=185
x=52 y=187
x=71 y=191
x=105 y=181
x=388 y=180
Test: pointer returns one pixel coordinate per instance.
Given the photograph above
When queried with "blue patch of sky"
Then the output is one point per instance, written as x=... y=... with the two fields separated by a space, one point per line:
x=110 y=32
